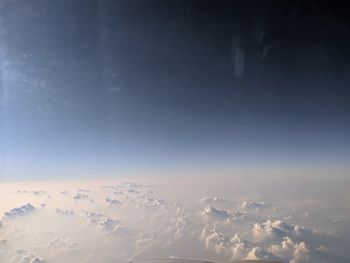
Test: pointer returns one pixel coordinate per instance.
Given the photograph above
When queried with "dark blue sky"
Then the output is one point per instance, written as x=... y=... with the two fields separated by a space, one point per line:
x=98 y=85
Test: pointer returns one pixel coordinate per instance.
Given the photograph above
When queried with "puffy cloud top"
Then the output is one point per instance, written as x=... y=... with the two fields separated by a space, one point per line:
x=113 y=202
x=23 y=256
x=254 y=205
x=19 y=211
x=274 y=228
x=83 y=197
x=212 y=199
x=40 y=192
x=64 y=212
x=221 y=213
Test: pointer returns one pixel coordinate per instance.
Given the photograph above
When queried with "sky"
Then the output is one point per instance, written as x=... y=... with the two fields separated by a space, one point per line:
x=90 y=87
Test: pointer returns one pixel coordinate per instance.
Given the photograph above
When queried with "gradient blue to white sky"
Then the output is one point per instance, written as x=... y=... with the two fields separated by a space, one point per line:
x=90 y=87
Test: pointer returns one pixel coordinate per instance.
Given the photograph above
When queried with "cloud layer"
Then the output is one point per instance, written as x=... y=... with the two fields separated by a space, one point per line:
x=122 y=221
